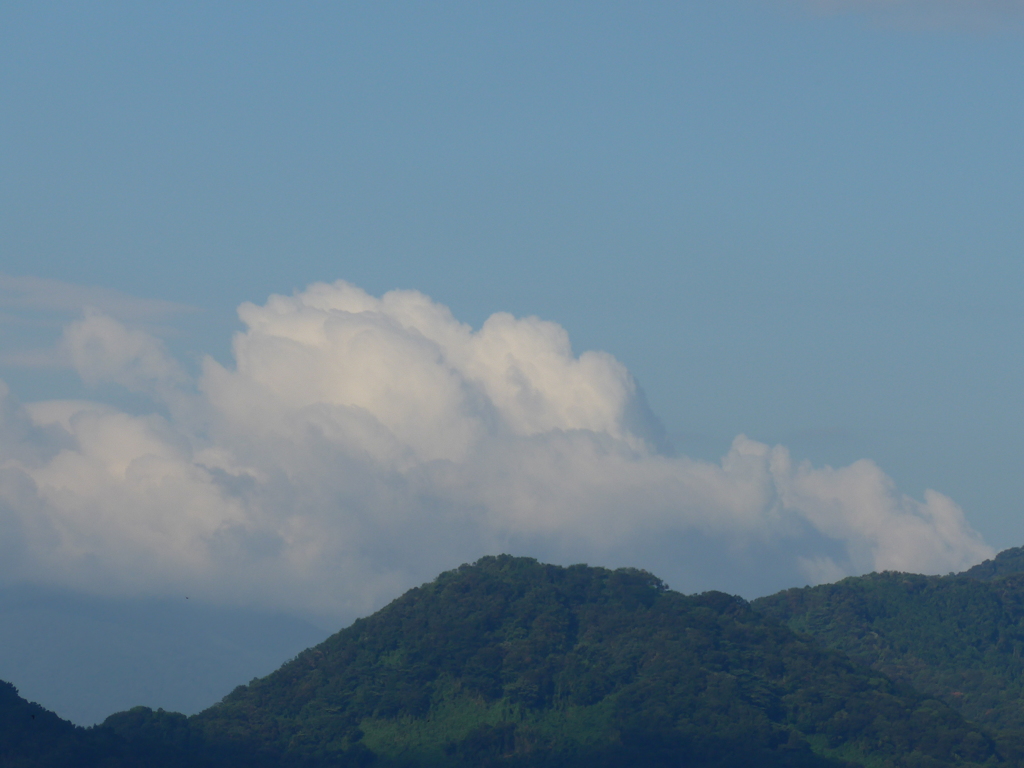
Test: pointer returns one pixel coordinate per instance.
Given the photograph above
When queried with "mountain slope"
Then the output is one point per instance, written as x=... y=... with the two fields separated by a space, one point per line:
x=958 y=638
x=34 y=737
x=510 y=662
x=1007 y=562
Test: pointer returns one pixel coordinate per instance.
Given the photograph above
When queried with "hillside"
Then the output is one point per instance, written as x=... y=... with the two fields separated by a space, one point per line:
x=1007 y=562
x=510 y=662
x=33 y=736
x=958 y=638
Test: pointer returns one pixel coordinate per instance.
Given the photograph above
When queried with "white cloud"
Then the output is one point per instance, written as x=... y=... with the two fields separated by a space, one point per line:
x=101 y=349
x=361 y=444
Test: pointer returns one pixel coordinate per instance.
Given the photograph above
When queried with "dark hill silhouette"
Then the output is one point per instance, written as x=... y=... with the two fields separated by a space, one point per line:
x=509 y=662
x=33 y=737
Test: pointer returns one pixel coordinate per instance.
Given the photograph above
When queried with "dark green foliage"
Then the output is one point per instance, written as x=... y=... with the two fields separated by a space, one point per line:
x=33 y=736
x=1007 y=562
x=510 y=662
x=958 y=638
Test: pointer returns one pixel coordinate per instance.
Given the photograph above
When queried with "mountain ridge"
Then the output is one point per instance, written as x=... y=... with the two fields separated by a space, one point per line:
x=958 y=637
x=511 y=662
x=1007 y=562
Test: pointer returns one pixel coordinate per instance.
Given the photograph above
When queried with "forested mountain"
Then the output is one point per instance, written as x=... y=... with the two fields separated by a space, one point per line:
x=959 y=638
x=513 y=663
x=1007 y=562
x=508 y=662
x=33 y=736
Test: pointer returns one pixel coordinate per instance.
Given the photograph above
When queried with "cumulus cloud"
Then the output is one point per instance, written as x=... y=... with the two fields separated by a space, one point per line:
x=360 y=444
x=101 y=349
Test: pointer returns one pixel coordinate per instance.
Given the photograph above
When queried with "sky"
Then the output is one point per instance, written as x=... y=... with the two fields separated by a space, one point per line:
x=301 y=305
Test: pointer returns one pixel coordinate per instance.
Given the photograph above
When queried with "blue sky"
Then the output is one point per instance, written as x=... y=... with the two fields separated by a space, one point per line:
x=799 y=222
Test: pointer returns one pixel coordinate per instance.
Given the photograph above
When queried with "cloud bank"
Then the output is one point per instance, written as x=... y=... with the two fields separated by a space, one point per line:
x=360 y=444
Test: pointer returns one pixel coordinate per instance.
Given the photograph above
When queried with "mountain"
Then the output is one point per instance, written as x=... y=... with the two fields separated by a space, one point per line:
x=33 y=736
x=509 y=662
x=959 y=638
x=1007 y=562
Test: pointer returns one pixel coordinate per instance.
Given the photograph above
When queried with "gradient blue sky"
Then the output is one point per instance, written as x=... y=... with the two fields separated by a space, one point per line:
x=801 y=226
x=797 y=221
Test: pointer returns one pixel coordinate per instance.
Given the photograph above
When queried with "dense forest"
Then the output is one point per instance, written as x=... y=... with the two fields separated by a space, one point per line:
x=509 y=662
x=958 y=638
